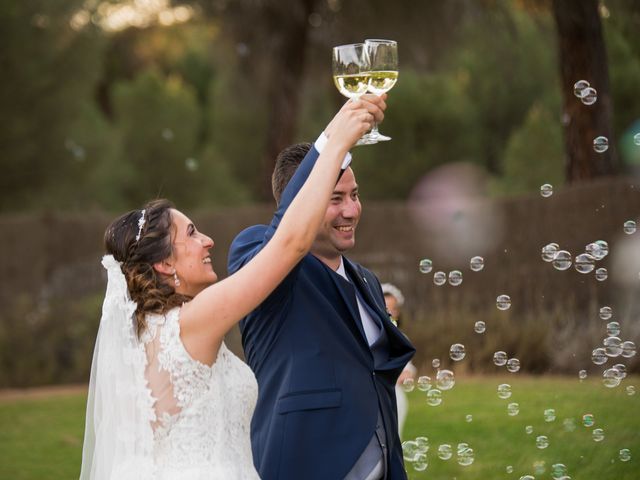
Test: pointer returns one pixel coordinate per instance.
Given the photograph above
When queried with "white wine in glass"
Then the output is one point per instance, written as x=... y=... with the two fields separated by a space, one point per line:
x=383 y=58
x=351 y=67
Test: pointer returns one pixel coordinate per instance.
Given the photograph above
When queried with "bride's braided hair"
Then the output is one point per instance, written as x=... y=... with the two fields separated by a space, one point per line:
x=149 y=289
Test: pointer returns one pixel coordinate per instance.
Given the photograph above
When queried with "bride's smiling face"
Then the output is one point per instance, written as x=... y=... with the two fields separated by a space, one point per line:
x=191 y=256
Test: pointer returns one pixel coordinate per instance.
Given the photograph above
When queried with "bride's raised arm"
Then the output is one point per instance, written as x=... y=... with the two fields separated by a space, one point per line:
x=214 y=311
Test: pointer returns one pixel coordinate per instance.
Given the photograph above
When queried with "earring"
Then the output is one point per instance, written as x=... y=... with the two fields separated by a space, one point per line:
x=176 y=280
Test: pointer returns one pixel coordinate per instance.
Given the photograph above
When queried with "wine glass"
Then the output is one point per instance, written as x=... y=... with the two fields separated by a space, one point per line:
x=383 y=74
x=351 y=74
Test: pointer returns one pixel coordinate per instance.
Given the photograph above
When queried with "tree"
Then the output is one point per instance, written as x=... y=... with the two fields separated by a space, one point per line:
x=582 y=56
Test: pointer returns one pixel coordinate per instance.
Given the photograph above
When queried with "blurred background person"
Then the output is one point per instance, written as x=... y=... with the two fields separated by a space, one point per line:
x=394 y=301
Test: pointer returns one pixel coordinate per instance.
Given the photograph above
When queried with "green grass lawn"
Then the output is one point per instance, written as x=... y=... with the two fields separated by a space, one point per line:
x=42 y=438
x=500 y=440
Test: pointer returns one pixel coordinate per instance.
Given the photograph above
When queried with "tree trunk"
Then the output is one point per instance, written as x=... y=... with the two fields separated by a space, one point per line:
x=288 y=26
x=582 y=56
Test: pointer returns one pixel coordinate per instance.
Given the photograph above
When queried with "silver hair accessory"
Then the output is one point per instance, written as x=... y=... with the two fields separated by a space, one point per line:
x=141 y=222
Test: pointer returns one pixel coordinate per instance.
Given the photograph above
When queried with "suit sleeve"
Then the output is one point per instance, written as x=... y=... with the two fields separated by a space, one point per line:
x=250 y=241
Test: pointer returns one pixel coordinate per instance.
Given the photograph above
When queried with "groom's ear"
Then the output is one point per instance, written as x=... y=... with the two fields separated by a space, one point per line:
x=164 y=267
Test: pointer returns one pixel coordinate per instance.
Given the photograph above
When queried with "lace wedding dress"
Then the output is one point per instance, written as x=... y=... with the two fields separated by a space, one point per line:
x=155 y=413
x=202 y=413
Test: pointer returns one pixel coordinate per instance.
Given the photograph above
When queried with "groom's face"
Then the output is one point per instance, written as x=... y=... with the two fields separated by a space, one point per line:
x=337 y=234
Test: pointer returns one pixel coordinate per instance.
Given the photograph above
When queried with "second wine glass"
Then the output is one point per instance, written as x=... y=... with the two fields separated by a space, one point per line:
x=383 y=75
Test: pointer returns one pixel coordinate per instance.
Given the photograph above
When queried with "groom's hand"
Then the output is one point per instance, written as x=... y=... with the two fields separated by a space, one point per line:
x=376 y=106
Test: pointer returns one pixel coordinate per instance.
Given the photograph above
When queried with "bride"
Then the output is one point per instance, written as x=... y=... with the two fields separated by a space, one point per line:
x=167 y=399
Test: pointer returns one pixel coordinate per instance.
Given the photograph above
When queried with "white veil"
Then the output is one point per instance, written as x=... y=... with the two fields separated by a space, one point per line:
x=118 y=440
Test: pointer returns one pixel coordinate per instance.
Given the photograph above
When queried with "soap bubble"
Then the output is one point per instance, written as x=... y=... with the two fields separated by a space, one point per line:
x=528 y=429
x=588 y=420
x=584 y=263
x=457 y=352
x=598 y=434
x=562 y=260
x=435 y=363
x=559 y=470
x=424 y=383
x=629 y=227
x=589 y=96
x=601 y=144
x=504 y=391
x=542 y=442
x=513 y=409
x=546 y=190
x=445 y=452
x=503 y=302
x=610 y=378
x=425 y=265
x=628 y=349
x=579 y=86
x=513 y=365
x=410 y=450
x=613 y=329
x=408 y=385
x=445 y=379
x=606 y=313
x=582 y=374
x=549 y=415
x=599 y=356
x=479 y=327
x=465 y=456
x=549 y=252
x=434 y=397
x=625 y=455
x=420 y=462
x=568 y=424
x=602 y=274
x=423 y=444
x=476 y=264
x=612 y=346
x=439 y=278
x=631 y=390
x=469 y=418
x=597 y=250
x=509 y=469
x=455 y=277
x=500 y=358
x=636 y=139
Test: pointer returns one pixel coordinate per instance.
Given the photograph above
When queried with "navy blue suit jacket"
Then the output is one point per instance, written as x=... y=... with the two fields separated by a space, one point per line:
x=319 y=386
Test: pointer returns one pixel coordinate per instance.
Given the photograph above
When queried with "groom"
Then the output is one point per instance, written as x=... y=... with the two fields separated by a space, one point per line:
x=322 y=347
